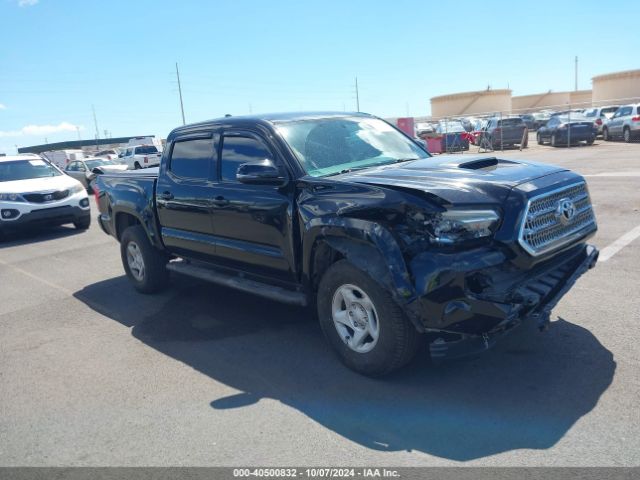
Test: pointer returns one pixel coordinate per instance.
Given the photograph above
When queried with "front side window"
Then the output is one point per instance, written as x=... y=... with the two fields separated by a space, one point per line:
x=26 y=169
x=237 y=150
x=328 y=146
x=192 y=158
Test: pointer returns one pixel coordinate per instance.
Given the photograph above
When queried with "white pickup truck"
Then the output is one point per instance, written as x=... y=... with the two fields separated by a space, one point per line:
x=141 y=156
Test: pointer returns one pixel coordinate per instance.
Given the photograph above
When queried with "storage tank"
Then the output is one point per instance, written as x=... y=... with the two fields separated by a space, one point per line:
x=471 y=103
x=617 y=88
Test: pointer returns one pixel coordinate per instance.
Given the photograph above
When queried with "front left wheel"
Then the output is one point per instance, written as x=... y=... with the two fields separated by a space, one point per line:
x=362 y=323
x=83 y=223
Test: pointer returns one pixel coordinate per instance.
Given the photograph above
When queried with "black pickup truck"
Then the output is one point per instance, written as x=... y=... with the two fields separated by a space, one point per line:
x=346 y=213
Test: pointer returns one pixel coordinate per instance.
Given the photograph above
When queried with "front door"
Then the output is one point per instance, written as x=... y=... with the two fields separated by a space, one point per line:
x=183 y=195
x=252 y=223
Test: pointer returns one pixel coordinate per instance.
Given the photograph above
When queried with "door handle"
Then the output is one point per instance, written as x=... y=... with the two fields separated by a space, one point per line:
x=166 y=196
x=220 y=201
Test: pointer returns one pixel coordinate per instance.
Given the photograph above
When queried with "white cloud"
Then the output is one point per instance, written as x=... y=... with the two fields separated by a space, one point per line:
x=38 y=130
x=27 y=3
x=3 y=106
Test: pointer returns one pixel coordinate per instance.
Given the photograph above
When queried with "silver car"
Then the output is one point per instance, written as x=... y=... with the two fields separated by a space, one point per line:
x=625 y=124
x=87 y=169
x=601 y=115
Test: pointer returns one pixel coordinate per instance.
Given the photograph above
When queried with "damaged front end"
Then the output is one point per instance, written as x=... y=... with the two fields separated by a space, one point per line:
x=467 y=303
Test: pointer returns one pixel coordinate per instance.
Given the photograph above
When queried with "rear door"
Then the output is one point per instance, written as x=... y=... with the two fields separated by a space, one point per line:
x=616 y=122
x=253 y=223
x=184 y=195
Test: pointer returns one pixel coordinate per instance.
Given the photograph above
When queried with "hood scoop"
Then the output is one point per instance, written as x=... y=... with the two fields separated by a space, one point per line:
x=487 y=164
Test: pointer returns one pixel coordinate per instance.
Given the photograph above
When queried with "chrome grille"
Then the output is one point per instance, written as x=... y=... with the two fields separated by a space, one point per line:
x=544 y=227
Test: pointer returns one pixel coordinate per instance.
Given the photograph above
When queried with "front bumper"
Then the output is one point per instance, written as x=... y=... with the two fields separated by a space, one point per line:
x=46 y=216
x=480 y=295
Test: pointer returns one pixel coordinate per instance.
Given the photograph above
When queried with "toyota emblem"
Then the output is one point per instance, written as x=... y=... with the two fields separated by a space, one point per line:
x=566 y=211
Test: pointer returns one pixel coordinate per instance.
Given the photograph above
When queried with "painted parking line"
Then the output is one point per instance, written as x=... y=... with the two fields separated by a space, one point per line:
x=610 y=250
x=36 y=278
x=614 y=174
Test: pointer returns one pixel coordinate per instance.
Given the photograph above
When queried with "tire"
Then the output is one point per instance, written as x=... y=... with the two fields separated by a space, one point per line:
x=590 y=141
x=553 y=140
x=605 y=135
x=526 y=143
x=626 y=134
x=136 y=166
x=397 y=339
x=144 y=265
x=539 y=139
x=83 y=223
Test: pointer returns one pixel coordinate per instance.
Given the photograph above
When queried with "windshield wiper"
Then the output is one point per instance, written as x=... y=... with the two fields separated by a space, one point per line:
x=348 y=170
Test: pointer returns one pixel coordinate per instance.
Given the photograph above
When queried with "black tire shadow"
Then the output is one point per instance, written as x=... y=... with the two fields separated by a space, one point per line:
x=526 y=393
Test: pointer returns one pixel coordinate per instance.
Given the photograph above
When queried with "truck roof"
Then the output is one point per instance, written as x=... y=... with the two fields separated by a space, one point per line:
x=269 y=118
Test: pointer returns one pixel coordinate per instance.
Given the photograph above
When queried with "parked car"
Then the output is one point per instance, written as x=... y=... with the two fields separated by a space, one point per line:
x=423 y=128
x=530 y=121
x=477 y=130
x=625 y=124
x=85 y=171
x=502 y=133
x=111 y=154
x=344 y=212
x=61 y=158
x=600 y=115
x=141 y=156
x=541 y=118
x=34 y=192
x=563 y=130
x=452 y=135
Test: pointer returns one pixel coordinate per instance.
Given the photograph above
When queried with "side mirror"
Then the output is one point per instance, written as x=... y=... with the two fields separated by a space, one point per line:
x=97 y=171
x=263 y=172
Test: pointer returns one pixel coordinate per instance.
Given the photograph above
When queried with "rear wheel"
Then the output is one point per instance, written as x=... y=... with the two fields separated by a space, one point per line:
x=362 y=323
x=539 y=139
x=144 y=265
x=137 y=166
x=627 y=134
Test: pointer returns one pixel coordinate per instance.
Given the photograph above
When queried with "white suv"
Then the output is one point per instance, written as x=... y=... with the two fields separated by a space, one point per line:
x=141 y=156
x=33 y=191
x=624 y=123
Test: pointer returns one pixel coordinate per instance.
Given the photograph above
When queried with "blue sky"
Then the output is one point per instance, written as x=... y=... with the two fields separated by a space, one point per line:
x=60 y=57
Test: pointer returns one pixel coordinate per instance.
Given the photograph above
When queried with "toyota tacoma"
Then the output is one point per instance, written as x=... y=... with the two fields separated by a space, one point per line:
x=347 y=214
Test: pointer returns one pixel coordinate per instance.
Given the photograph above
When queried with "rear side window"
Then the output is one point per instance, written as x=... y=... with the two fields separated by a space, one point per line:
x=146 y=150
x=237 y=150
x=192 y=158
x=624 y=111
x=510 y=122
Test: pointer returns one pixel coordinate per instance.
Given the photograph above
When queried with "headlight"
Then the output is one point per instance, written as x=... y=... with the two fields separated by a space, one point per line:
x=11 y=197
x=453 y=226
x=77 y=189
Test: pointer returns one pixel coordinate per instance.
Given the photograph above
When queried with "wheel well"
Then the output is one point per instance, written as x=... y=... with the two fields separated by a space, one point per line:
x=322 y=258
x=124 y=221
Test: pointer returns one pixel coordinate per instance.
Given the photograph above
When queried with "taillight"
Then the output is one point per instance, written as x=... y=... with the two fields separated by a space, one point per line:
x=96 y=192
x=635 y=119
x=599 y=121
x=146 y=160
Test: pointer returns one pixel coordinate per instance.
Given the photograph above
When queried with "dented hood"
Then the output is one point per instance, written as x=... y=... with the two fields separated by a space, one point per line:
x=455 y=179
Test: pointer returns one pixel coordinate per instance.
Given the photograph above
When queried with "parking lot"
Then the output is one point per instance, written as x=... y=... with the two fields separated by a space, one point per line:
x=93 y=373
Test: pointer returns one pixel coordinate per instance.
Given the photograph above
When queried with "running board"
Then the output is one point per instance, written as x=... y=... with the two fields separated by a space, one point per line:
x=239 y=283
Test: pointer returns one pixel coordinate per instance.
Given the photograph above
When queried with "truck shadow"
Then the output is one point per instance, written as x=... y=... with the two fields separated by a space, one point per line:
x=526 y=393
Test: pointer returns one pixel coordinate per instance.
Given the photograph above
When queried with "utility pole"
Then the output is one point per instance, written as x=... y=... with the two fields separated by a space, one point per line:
x=576 y=74
x=180 y=93
x=95 y=122
x=78 y=130
x=357 y=96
